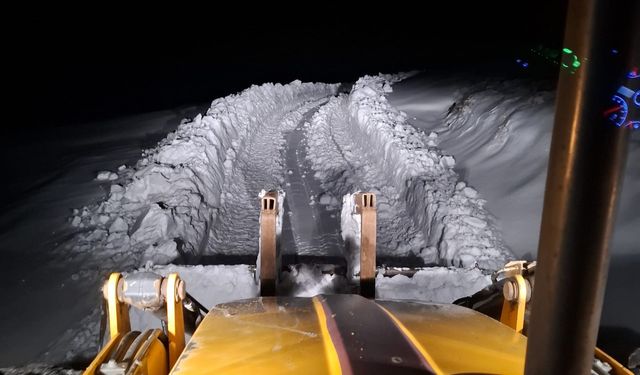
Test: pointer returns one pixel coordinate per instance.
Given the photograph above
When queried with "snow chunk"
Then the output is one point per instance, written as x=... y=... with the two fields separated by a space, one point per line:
x=118 y=225
x=106 y=176
x=470 y=192
x=76 y=221
x=437 y=284
x=327 y=199
x=157 y=223
x=162 y=254
x=448 y=162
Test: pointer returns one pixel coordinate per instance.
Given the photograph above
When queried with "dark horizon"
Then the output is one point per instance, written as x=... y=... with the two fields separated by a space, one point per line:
x=75 y=81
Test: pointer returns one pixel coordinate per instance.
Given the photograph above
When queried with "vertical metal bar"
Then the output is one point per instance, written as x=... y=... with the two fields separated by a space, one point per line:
x=268 y=251
x=174 y=294
x=366 y=207
x=118 y=311
x=584 y=177
x=515 y=302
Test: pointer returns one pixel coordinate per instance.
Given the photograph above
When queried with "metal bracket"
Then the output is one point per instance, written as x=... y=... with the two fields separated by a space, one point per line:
x=269 y=258
x=146 y=291
x=517 y=292
x=366 y=207
x=515 y=267
x=118 y=310
x=175 y=293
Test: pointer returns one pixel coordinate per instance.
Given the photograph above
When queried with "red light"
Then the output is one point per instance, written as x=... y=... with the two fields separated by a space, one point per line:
x=611 y=110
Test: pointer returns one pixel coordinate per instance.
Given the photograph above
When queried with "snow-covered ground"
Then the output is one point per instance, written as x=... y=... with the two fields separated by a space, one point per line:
x=53 y=171
x=459 y=189
x=500 y=132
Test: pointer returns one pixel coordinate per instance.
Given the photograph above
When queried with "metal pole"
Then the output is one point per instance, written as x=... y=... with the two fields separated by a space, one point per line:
x=583 y=181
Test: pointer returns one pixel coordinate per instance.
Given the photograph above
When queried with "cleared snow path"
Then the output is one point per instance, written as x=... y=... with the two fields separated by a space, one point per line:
x=343 y=168
x=312 y=226
x=259 y=165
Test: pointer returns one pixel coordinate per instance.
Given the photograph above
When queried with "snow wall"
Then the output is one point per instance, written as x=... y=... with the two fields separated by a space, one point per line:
x=450 y=213
x=164 y=207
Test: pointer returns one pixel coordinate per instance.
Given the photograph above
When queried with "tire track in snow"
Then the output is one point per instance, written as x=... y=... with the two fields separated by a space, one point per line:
x=342 y=168
x=313 y=223
x=260 y=164
x=450 y=214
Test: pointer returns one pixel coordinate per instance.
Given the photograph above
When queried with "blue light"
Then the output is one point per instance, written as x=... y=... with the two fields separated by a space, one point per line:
x=634 y=124
x=620 y=115
x=625 y=91
x=636 y=98
x=614 y=51
x=525 y=64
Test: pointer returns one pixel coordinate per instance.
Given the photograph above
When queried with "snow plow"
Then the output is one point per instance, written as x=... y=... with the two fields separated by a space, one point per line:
x=516 y=325
x=332 y=334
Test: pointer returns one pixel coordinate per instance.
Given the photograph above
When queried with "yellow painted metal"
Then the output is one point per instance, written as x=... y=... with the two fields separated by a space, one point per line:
x=290 y=336
x=118 y=311
x=513 y=311
x=617 y=368
x=151 y=358
x=175 y=319
x=252 y=337
x=94 y=366
x=461 y=340
x=333 y=362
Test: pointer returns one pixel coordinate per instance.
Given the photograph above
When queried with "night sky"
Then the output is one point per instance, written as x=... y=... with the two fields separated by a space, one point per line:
x=69 y=73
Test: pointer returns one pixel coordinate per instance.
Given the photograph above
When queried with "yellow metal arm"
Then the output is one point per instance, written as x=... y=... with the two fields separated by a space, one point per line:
x=118 y=310
x=175 y=321
x=516 y=294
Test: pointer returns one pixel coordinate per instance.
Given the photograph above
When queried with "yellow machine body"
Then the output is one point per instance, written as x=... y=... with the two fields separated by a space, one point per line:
x=327 y=334
x=290 y=336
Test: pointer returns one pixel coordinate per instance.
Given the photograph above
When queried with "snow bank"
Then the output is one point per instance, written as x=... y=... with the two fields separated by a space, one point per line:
x=436 y=284
x=500 y=134
x=164 y=207
x=450 y=214
x=211 y=285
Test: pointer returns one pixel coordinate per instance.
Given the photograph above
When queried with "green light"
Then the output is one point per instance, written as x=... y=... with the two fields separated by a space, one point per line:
x=576 y=64
x=567 y=50
x=565 y=65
